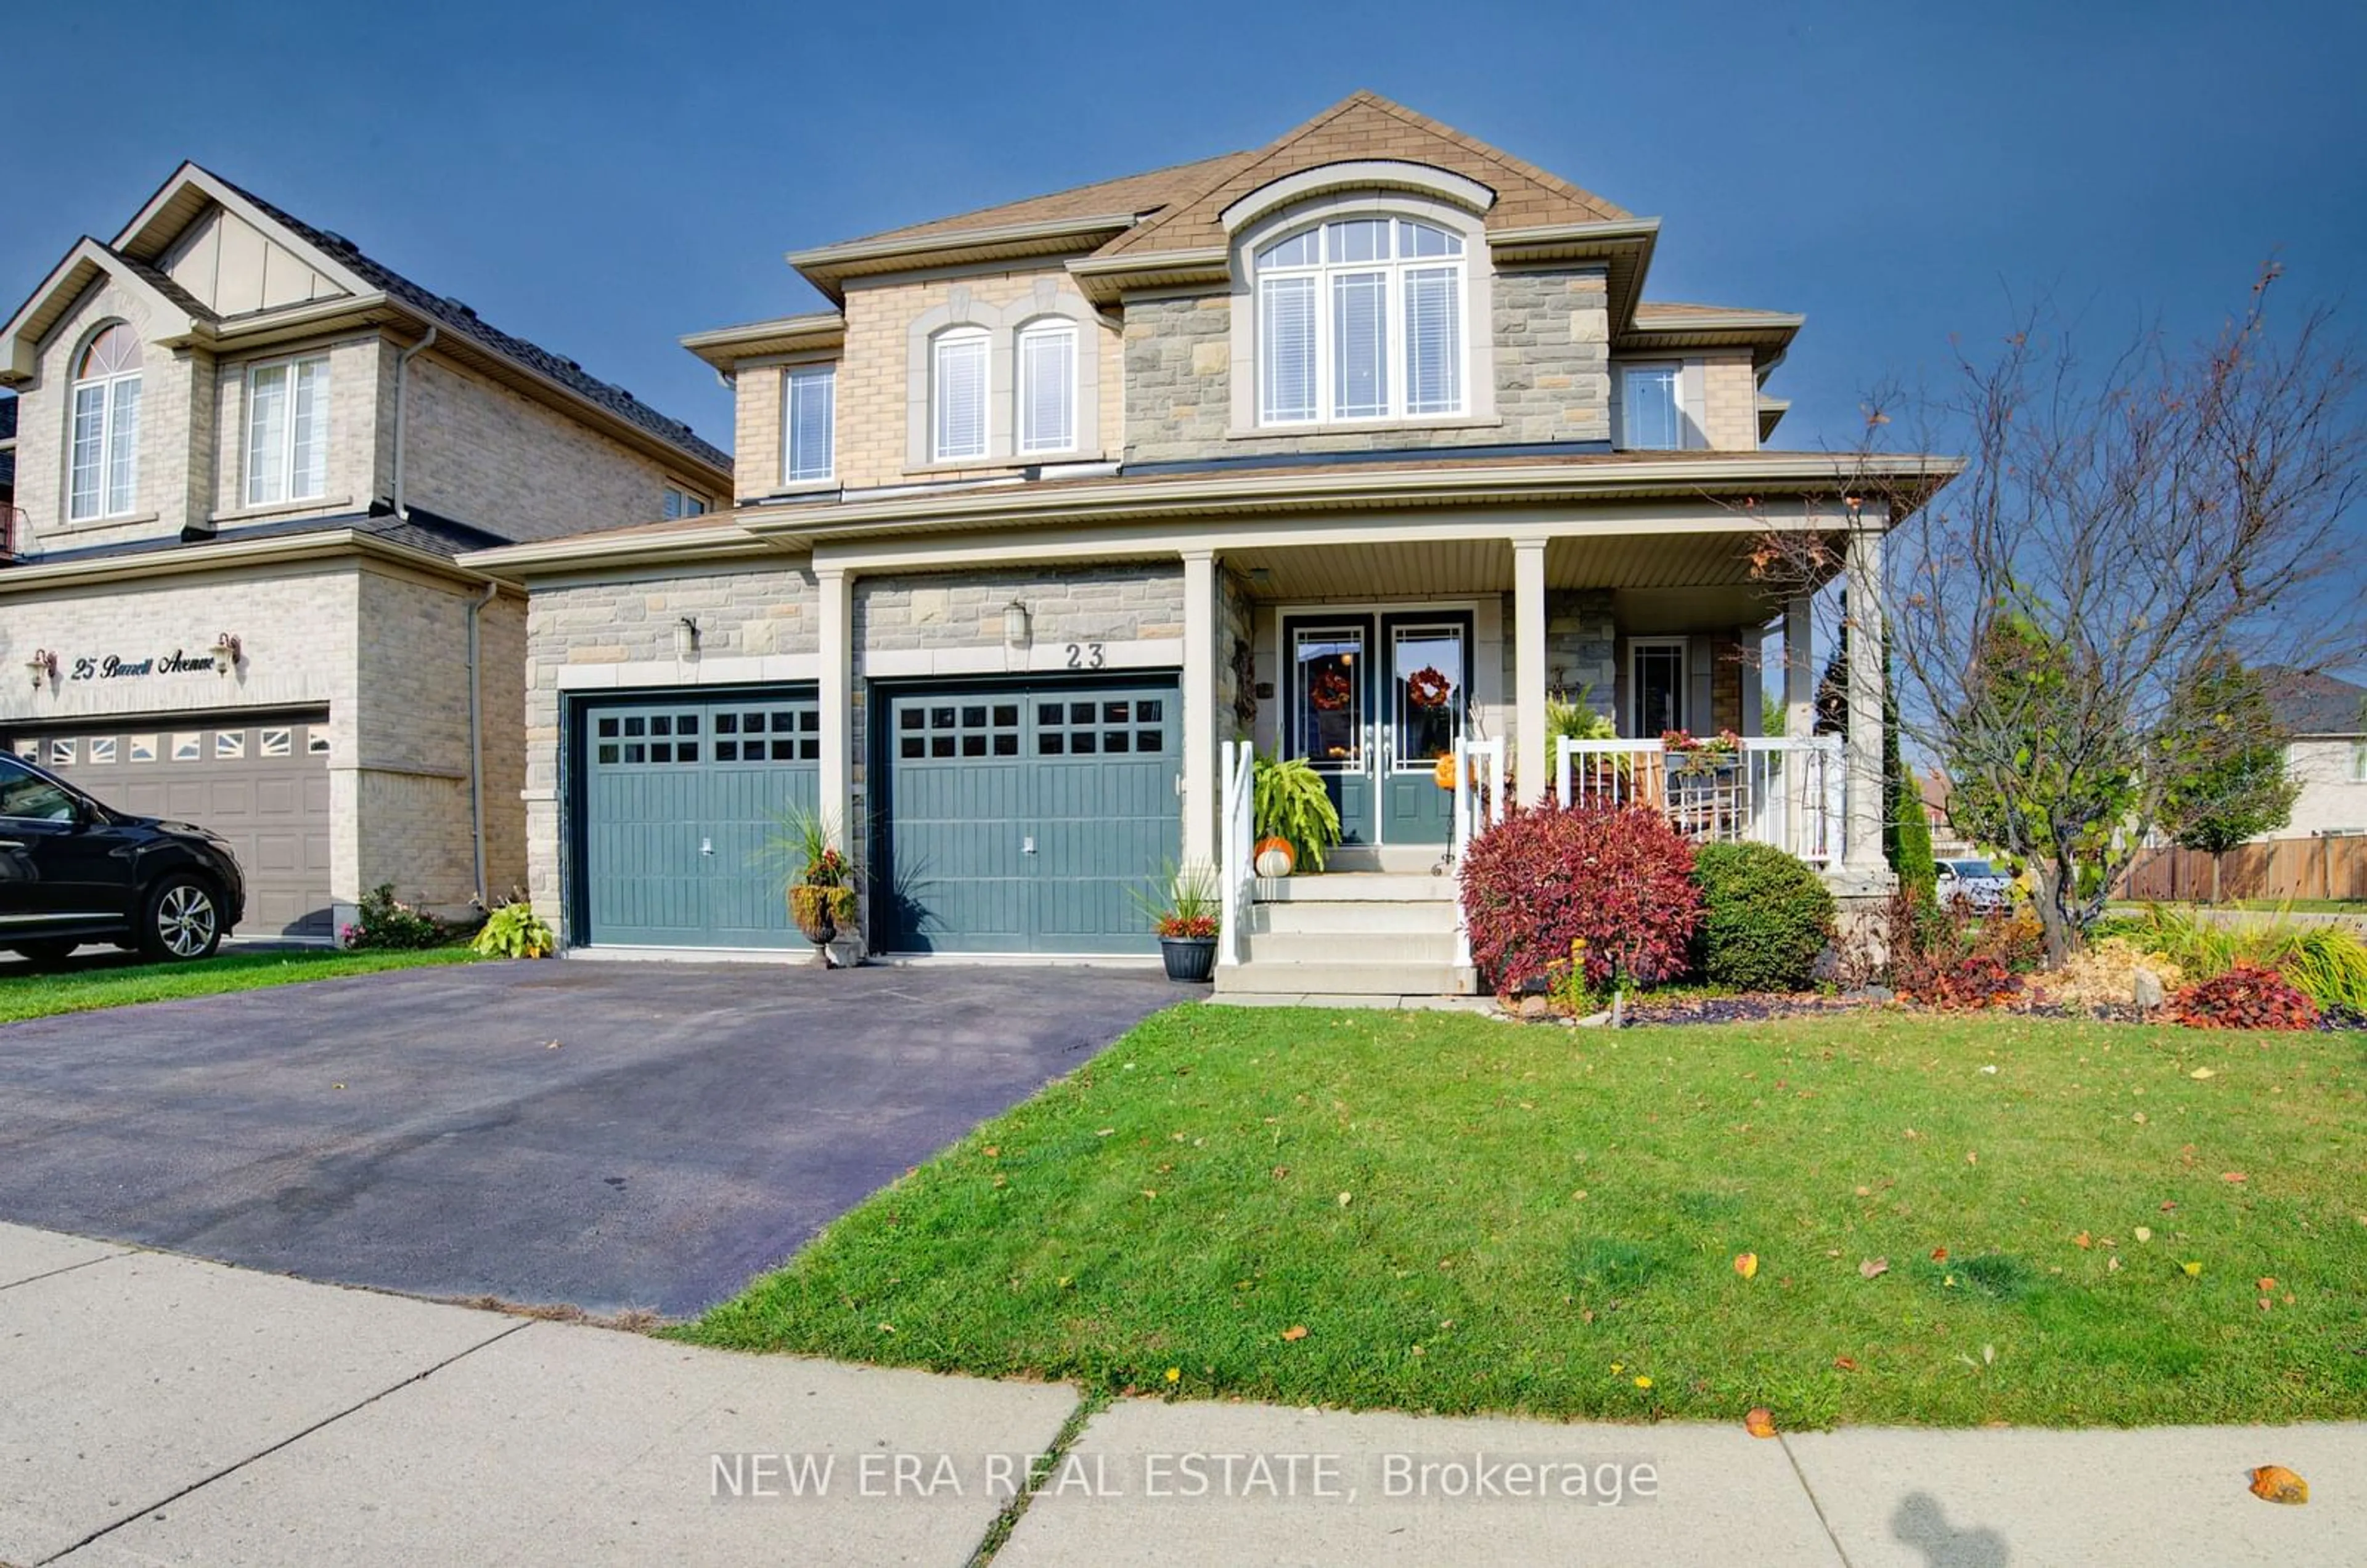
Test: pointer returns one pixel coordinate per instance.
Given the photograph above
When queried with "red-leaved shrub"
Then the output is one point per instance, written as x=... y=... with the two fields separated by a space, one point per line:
x=1619 y=880
x=1945 y=956
x=2246 y=996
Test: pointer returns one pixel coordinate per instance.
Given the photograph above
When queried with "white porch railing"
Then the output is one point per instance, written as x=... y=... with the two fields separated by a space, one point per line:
x=1479 y=806
x=1777 y=790
x=1236 y=872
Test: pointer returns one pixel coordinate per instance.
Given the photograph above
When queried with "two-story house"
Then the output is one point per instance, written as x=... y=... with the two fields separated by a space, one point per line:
x=1359 y=448
x=248 y=458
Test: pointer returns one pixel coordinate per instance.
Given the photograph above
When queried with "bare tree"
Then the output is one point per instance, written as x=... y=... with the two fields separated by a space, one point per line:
x=2119 y=527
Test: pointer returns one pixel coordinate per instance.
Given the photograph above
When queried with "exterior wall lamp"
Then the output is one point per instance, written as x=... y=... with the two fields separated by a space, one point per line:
x=1016 y=625
x=686 y=637
x=227 y=651
x=43 y=666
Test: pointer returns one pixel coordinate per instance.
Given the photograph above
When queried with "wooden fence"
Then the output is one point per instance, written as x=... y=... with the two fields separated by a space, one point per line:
x=2283 y=868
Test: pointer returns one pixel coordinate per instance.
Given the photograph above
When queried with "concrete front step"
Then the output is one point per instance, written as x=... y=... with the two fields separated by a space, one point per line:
x=1356 y=887
x=1347 y=979
x=1362 y=947
x=1341 y=918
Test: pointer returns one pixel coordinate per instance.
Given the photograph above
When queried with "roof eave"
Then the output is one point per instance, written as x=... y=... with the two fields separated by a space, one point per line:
x=726 y=347
x=32 y=575
x=828 y=266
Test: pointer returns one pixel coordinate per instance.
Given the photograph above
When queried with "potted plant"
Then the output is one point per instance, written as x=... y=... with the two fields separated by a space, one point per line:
x=820 y=879
x=1183 y=906
x=1294 y=804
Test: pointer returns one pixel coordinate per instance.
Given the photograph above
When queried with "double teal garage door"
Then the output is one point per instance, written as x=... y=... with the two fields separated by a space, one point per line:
x=1006 y=817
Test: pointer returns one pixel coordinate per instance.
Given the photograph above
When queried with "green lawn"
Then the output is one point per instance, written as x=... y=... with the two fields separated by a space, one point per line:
x=41 y=994
x=1464 y=1215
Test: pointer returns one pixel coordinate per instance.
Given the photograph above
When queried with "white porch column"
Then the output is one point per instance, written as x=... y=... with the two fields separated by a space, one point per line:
x=834 y=589
x=1799 y=667
x=1863 y=850
x=1532 y=768
x=1200 y=787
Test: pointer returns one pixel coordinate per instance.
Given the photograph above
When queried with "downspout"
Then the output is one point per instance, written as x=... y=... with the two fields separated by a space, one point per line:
x=476 y=743
x=401 y=382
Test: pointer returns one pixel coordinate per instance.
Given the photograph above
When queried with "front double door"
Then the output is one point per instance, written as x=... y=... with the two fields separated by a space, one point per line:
x=1375 y=700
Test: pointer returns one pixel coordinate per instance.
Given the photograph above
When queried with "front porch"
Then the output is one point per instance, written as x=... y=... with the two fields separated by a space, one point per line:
x=1587 y=669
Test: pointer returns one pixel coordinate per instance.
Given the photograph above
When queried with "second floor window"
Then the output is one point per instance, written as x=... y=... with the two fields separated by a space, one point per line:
x=1652 y=405
x=288 y=431
x=958 y=394
x=1361 y=319
x=104 y=459
x=682 y=503
x=1048 y=387
x=809 y=421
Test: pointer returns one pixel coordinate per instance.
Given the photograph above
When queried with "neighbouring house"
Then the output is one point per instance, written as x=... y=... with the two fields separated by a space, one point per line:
x=248 y=458
x=2323 y=721
x=8 y=530
x=1357 y=447
x=1935 y=788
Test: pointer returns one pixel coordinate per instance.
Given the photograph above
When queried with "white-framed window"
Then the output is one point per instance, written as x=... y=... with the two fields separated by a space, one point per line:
x=684 y=503
x=2359 y=761
x=103 y=457
x=810 y=422
x=1656 y=685
x=288 y=431
x=958 y=393
x=1652 y=408
x=1047 y=386
x=1361 y=319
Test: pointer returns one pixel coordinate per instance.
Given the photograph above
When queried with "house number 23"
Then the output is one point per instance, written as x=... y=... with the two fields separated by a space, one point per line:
x=1085 y=655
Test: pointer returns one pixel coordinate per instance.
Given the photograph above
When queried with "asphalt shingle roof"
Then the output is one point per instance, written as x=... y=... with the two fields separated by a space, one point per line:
x=2308 y=704
x=460 y=318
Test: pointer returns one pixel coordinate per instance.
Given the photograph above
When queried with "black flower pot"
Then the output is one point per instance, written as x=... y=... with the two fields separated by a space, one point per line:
x=1189 y=958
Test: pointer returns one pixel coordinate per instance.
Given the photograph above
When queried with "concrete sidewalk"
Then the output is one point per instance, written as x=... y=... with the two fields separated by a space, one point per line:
x=159 y=1409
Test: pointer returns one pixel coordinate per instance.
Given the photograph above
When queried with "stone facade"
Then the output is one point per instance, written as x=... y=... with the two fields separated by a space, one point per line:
x=1095 y=603
x=1582 y=647
x=1548 y=361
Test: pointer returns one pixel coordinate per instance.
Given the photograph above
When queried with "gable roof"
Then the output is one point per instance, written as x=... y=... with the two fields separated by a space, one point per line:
x=2307 y=703
x=453 y=316
x=1366 y=125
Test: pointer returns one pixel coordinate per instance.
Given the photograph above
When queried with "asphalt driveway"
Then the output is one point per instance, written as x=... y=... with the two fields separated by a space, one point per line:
x=607 y=1136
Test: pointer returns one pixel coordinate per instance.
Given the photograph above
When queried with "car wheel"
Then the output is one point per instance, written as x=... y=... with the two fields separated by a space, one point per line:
x=181 y=920
x=48 y=951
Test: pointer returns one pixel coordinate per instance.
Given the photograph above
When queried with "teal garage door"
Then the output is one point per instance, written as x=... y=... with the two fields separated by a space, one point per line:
x=1022 y=817
x=680 y=794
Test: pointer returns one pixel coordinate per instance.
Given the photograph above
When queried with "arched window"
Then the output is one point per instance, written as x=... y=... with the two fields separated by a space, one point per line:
x=1047 y=386
x=957 y=391
x=104 y=462
x=1361 y=319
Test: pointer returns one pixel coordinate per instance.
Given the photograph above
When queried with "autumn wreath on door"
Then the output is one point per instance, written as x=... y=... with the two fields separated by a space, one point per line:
x=1428 y=688
x=1328 y=691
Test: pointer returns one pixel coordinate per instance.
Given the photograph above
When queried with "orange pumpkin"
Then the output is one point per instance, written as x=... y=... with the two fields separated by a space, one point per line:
x=1445 y=772
x=1274 y=857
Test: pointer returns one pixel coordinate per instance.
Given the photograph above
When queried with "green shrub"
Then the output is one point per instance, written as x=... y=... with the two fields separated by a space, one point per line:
x=515 y=930
x=385 y=921
x=1767 y=918
x=2327 y=963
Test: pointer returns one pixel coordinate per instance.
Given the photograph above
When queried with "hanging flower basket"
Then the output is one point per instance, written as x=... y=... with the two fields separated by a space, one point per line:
x=1329 y=690
x=1429 y=688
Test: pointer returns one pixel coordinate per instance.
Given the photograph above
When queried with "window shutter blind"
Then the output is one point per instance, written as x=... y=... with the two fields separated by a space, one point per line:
x=961 y=397
x=813 y=396
x=1288 y=347
x=267 y=435
x=308 y=461
x=89 y=444
x=1047 y=366
x=1360 y=326
x=1433 y=329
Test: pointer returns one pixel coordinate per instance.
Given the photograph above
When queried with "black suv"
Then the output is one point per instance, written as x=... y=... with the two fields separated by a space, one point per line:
x=73 y=871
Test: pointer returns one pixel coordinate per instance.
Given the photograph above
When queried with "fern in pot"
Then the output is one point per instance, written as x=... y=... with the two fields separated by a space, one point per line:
x=1297 y=823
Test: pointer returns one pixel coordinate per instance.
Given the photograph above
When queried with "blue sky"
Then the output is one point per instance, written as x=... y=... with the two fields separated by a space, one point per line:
x=606 y=177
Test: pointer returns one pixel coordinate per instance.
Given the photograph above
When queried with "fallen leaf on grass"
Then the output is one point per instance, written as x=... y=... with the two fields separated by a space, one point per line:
x=1873 y=1266
x=1938 y=1255
x=1746 y=1264
x=1346 y=1199
x=2233 y=1176
x=2111 y=1265
x=1972 y=1159
x=1844 y=1363
x=2143 y=1234
x=1761 y=1422
x=2275 y=1484
x=2138 y=1117
x=2201 y=1073
x=1104 y=1133
x=990 y=1150
x=2081 y=1241
x=1295 y=1333
x=2266 y=1283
